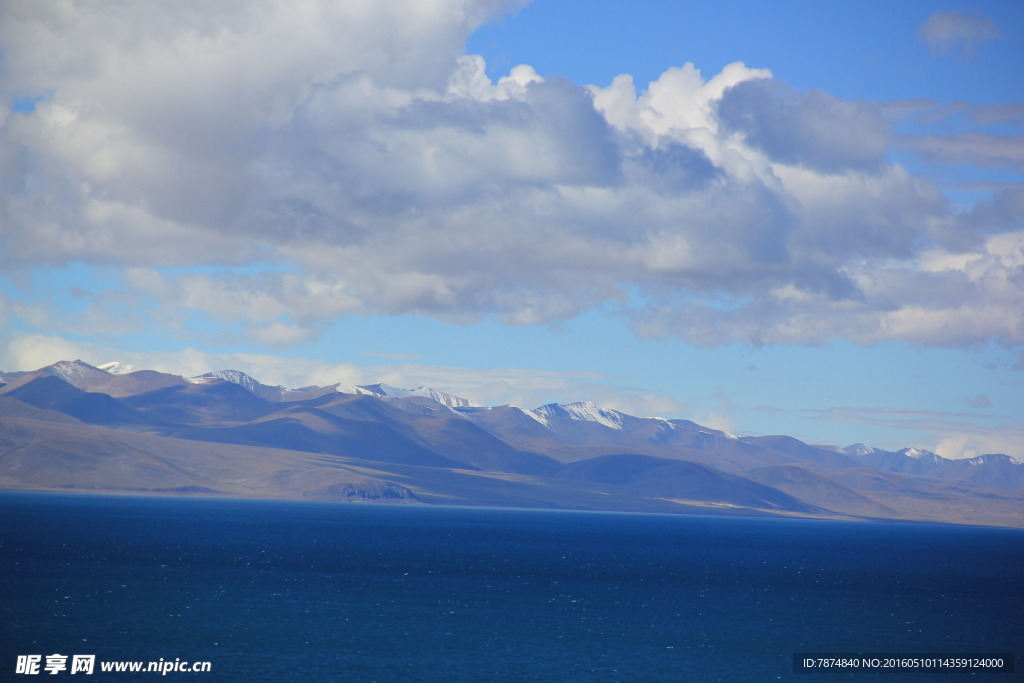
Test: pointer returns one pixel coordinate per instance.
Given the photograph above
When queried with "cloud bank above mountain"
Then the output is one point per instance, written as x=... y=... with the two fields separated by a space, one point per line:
x=275 y=166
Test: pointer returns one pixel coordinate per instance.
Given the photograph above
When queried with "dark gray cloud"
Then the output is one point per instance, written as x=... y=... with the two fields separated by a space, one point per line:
x=948 y=31
x=812 y=129
x=985 y=150
x=1003 y=211
x=926 y=110
x=443 y=151
x=980 y=401
x=1012 y=113
x=671 y=168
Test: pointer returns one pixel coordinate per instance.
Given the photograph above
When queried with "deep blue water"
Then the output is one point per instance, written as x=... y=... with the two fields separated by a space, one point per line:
x=295 y=591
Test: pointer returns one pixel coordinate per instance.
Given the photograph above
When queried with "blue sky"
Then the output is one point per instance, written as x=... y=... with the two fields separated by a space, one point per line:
x=828 y=244
x=866 y=50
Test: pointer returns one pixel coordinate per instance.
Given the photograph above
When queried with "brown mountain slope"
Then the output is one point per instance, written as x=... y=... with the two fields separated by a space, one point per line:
x=48 y=456
x=91 y=379
x=681 y=480
x=49 y=392
x=567 y=440
x=213 y=403
x=819 y=490
x=217 y=436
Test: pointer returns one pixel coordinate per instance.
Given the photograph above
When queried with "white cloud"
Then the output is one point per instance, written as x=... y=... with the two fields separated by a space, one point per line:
x=30 y=352
x=1008 y=439
x=941 y=299
x=341 y=158
x=719 y=420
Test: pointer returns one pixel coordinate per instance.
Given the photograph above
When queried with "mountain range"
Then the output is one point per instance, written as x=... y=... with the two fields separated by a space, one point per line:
x=74 y=427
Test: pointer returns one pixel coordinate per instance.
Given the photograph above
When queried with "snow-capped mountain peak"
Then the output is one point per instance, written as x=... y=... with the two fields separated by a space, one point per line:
x=444 y=398
x=992 y=457
x=116 y=368
x=916 y=453
x=382 y=389
x=582 y=410
x=71 y=371
x=858 y=449
x=532 y=414
x=344 y=388
x=389 y=391
x=234 y=376
x=921 y=455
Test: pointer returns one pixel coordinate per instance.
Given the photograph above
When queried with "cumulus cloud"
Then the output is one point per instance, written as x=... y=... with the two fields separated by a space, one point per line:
x=944 y=299
x=155 y=118
x=947 y=31
x=970 y=443
x=274 y=166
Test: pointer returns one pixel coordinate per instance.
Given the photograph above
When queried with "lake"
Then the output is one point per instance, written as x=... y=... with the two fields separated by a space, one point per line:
x=308 y=591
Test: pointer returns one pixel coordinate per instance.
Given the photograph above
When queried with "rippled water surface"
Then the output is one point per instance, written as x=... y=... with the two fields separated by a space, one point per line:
x=282 y=591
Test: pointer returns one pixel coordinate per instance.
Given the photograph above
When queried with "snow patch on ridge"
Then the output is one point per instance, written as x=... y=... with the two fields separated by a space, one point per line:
x=992 y=457
x=922 y=455
x=533 y=414
x=234 y=376
x=116 y=368
x=343 y=388
x=388 y=391
x=71 y=370
x=587 y=411
x=442 y=397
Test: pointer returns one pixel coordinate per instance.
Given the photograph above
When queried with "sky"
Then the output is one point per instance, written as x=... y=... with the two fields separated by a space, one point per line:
x=771 y=218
